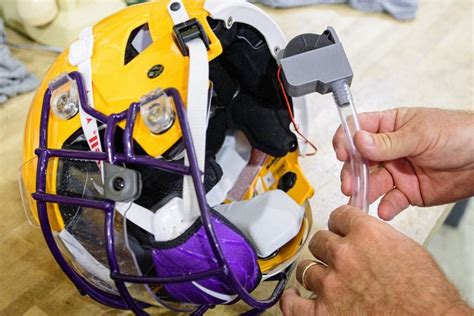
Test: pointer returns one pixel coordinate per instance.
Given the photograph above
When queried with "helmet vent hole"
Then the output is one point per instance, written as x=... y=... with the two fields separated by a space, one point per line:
x=138 y=41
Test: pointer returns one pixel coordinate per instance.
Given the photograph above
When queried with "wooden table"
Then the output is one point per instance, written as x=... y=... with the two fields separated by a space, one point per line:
x=427 y=62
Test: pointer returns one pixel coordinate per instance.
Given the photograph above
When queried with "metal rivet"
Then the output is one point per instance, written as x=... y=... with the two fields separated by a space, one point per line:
x=119 y=184
x=230 y=22
x=175 y=6
x=155 y=71
x=293 y=146
x=287 y=181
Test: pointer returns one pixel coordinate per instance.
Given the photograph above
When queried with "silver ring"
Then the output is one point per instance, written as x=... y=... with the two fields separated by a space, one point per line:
x=303 y=282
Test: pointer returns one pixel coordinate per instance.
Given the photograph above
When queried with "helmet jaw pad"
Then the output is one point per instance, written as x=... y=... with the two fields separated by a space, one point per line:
x=192 y=253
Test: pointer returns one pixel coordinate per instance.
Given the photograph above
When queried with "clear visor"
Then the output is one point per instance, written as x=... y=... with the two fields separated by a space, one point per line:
x=27 y=173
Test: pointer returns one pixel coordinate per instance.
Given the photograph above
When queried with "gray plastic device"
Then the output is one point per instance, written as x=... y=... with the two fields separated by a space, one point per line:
x=318 y=63
x=314 y=63
x=121 y=184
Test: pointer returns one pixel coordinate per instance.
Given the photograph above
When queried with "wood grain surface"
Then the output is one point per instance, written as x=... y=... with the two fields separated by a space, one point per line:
x=426 y=62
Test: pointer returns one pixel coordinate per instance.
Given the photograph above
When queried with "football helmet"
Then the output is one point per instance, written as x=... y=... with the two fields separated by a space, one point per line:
x=160 y=161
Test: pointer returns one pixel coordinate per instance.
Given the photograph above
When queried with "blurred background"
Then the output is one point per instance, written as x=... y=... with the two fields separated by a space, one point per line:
x=403 y=53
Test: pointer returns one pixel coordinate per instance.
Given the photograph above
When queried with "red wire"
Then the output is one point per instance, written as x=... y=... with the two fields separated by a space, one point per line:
x=288 y=105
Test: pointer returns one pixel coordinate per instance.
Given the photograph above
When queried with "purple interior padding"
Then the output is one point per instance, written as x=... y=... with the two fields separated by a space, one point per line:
x=196 y=255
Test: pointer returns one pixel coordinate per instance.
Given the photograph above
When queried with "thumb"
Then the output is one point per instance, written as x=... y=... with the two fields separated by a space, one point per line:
x=386 y=146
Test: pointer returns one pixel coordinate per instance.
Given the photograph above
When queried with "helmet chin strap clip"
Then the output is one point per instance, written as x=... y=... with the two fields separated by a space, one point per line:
x=187 y=31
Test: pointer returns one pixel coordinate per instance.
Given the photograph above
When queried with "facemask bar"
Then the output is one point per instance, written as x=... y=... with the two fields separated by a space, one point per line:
x=125 y=300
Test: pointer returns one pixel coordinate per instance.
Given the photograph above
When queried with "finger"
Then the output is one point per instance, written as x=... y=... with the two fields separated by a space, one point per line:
x=339 y=145
x=346 y=179
x=392 y=204
x=346 y=176
x=381 y=182
x=380 y=179
x=322 y=245
x=386 y=146
x=291 y=303
x=373 y=122
x=343 y=219
x=378 y=121
x=406 y=180
x=312 y=277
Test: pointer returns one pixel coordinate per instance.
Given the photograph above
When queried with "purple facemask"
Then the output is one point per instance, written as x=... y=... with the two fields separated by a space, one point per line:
x=212 y=263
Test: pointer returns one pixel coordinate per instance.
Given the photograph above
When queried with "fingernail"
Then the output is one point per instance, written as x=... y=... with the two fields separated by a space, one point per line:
x=367 y=138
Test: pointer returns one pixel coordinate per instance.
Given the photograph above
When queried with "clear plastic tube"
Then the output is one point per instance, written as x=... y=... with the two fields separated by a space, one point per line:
x=359 y=165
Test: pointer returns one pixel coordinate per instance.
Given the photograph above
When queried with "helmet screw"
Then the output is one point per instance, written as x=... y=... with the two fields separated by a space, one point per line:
x=230 y=22
x=119 y=184
x=293 y=146
x=287 y=181
x=175 y=6
x=155 y=71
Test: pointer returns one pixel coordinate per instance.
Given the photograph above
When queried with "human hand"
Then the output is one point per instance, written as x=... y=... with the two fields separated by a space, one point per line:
x=418 y=156
x=372 y=269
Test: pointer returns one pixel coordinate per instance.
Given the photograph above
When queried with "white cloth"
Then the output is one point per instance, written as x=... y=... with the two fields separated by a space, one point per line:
x=399 y=9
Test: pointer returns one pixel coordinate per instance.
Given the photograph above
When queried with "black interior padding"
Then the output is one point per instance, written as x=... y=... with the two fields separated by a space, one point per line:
x=245 y=81
x=226 y=36
x=141 y=250
x=216 y=132
x=263 y=127
x=225 y=86
x=226 y=89
x=251 y=62
x=161 y=185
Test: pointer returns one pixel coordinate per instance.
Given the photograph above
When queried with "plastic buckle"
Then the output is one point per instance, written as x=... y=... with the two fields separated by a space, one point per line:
x=187 y=31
